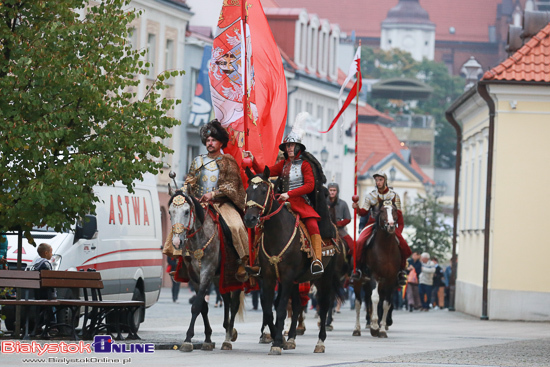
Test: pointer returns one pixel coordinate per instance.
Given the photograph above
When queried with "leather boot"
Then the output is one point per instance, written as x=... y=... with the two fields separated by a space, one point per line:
x=241 y=274
x=316 y=245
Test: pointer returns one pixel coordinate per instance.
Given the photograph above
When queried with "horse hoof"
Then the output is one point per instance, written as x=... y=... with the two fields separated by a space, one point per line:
x=387 y=327
x=207 y=346
x=186 y=347
x=356 y=333
x=382 y=334
x=266 y=339
x=374 y=332
x=289 y=344
x=227 y=346
x=319 y=349
x=275 y=351
x=329 y=328
x=301 y=331
x=235 y=335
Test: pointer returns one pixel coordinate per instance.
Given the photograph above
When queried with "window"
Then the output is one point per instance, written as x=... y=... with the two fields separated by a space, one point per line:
x=309 y=107
x=169 y=59
x=151 y=52
x=298 y=108
x=330 y=117
x=133 y=38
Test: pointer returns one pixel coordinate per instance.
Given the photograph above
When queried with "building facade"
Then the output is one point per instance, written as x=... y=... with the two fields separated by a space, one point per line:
x=502 y=249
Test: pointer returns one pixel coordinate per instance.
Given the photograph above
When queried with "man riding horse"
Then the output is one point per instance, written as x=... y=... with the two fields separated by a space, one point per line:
x=215 y=178
x=298 y=180
x=373 y=198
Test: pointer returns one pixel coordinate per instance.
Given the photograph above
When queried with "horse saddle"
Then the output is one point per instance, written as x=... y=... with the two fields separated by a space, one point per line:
x=329 y=245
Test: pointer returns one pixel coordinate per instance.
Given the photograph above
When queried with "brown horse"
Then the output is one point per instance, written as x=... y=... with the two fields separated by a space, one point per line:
x=282 y=260
x=380 y=261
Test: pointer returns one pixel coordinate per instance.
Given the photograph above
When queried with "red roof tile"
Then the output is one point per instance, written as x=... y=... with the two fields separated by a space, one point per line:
x=470 y=18
x=529 y=63
x=368 y=110
x=376 y=142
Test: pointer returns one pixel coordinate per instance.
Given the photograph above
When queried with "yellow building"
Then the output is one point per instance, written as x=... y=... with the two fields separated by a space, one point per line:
x=502 y=241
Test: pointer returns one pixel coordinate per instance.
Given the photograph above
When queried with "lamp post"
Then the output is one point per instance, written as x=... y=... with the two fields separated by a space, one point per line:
x=472 y=68
x=393 y=171
x=324 y=155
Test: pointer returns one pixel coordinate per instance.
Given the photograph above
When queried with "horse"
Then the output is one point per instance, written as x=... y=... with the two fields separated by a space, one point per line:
x=197 y=228
x=379 y=266
x=282 y=260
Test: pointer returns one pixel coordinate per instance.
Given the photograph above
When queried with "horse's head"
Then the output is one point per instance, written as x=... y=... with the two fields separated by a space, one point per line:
x=259 y=195
x=386 y=212
x=182 y=216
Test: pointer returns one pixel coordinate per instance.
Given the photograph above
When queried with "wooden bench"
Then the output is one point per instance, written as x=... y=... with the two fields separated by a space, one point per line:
x=26 y=282
x=100 y=316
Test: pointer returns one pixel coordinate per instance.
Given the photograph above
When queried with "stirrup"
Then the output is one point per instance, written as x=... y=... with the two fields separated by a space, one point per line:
x=320 y=263
x=402 y=278
x=251 y=272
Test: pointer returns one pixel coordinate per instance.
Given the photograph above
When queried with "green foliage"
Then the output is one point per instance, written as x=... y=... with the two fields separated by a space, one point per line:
x=68 y=113
x=431 y=233
x=380 y=64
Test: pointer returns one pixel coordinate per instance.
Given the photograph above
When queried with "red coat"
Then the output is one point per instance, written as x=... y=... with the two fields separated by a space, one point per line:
x=297 y=203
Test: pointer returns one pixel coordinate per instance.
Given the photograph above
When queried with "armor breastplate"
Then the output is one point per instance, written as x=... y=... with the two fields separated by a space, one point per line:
x=292 y=175
x=207 y=175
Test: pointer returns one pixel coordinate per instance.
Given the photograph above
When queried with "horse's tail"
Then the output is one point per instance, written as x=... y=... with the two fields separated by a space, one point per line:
x=338 y=288
x=240 y=312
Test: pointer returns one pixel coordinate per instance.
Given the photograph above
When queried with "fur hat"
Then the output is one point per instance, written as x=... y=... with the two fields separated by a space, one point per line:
x=215 y=130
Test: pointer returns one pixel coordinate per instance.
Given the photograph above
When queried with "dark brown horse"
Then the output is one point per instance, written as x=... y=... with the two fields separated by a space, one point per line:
x=379 y=264
x=282 y=260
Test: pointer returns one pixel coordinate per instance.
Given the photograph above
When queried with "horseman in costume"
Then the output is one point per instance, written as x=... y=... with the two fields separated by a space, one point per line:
x=381 y=194
x=299 y=185
x=215 y=178
x=339 y=213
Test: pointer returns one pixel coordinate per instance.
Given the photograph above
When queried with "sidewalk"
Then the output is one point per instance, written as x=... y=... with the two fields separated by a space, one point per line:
x=435 y=338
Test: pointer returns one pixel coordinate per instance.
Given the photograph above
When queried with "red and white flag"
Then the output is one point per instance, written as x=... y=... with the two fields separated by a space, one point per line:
x=266 y=82
x=354 y=70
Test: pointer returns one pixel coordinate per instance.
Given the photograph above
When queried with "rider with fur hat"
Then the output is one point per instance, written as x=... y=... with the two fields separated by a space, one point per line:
x=298 y=181
x=215 y=178
x=381 y=194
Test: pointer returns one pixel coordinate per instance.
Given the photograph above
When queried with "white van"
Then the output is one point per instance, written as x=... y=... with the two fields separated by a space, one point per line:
x=122 y=241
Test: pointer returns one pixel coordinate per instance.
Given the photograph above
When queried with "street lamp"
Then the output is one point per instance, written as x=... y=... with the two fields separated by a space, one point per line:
x=472 y=68
x=324 y=155
x=440 y=188
x=393 y=171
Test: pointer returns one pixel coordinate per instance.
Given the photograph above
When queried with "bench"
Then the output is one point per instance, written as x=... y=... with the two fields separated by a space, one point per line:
x=100 y=316
x=26 y=282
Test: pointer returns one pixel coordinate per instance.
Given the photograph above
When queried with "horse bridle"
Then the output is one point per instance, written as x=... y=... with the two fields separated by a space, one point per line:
x=385 y=204
x=178 y=228
x=269 y=197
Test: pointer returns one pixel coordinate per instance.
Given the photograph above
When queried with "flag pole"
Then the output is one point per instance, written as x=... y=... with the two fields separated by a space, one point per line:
x=244 y=62
x=246 y=162
x=355 y=196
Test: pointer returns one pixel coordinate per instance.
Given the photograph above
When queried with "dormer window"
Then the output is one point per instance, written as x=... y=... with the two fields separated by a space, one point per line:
x=312 y=43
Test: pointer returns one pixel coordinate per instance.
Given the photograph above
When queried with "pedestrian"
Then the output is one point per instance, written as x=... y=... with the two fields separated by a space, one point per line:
x=425 y=280
x=414 y=269
x=47 y=314
x=438 y=290
x=3 y=252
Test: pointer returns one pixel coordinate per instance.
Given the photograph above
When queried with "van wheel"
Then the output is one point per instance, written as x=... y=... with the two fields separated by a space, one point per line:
x=139 y=315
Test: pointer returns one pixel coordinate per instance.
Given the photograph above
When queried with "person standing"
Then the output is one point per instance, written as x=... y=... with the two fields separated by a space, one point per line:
x=172 y=266
x=425 y=280
x=339 y=213
x=215 y=178
x=414 y=268
x=438 y=286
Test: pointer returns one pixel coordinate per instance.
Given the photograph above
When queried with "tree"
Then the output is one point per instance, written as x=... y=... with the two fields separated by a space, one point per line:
x=68 y=113
x=431 y=233
x=380 y=64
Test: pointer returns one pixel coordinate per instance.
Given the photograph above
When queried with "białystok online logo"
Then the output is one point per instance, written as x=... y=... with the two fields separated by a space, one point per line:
x=101 y=344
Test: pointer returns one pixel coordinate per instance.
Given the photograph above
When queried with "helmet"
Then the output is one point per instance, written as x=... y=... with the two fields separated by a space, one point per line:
x=381 y=174
x=295 y=136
